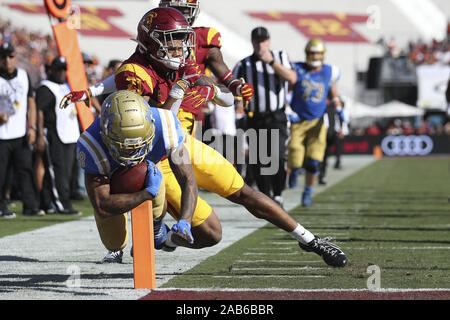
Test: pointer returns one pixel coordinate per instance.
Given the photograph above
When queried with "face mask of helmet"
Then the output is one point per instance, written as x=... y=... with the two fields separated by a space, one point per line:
x=314 y=63
x=129 y=153
x=175 y=48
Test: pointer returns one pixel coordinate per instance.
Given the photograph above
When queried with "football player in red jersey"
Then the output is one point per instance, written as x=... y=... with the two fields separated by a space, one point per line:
x=160 y=71
x=207 y=49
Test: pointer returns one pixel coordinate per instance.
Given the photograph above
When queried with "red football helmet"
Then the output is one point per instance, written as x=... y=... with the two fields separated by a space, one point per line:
x=189 y=8
x=157 y=31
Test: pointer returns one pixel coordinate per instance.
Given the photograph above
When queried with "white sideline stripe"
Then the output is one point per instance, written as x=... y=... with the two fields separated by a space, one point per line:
x=262 y=276
x=398 y=248
x=278 y=261
x=294 y=244
x=276 y=268
x=271 y=253
x=266 y=248
x=303 y=290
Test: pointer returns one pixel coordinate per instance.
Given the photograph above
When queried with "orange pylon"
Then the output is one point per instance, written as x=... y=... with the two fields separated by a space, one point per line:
x=143 y=246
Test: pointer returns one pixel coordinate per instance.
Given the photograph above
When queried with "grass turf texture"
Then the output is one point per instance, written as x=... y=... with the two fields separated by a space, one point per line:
x=26 y=223
x=393 y=214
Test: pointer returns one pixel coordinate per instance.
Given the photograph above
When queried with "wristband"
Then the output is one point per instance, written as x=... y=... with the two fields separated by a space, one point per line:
x=227 y=76
x=178 y=89
x=233 y=86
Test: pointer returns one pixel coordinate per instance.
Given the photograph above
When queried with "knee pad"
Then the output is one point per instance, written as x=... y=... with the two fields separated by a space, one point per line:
x=312 y=166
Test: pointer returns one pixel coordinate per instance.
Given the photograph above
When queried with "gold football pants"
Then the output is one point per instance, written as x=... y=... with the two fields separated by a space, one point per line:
x=308 y=139
x=212 y=172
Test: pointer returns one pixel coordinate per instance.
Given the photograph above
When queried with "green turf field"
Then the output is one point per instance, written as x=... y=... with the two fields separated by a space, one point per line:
x=394 y=214
x=25 y=223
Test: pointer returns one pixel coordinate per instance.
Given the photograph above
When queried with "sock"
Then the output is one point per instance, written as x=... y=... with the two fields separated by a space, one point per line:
x=157 y=225
x=169 y=241
x=308 y=189
x=302 y=235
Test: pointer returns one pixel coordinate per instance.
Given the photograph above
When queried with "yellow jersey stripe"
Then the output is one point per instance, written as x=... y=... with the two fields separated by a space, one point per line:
x=211 y=33
x=139 y=71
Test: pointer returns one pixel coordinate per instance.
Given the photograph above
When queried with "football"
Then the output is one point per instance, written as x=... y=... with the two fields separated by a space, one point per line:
x=128 y=179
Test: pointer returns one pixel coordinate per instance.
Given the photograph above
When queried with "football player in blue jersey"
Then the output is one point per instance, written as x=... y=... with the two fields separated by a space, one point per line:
x=129 y=132
x=307 y=142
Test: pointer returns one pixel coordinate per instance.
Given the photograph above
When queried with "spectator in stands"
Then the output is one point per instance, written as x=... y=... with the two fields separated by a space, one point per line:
x=357 y=131
x=35 y=49
x=425 y=127
x=58 y=130
x=395 y=128
x=373 y=129
x=407 y=127
x=17 y=130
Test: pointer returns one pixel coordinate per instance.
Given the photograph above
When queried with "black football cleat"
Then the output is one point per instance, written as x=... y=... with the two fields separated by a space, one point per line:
x=330 y=253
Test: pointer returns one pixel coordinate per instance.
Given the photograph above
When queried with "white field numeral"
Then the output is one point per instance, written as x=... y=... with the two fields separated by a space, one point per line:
x=74 y=280
x=374 y=280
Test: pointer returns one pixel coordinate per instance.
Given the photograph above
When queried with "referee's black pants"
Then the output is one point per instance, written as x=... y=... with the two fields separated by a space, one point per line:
x=274 y=184
x=16 y=152
x=62 y=157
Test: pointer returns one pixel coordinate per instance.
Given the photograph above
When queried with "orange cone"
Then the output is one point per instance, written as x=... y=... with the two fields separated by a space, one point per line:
x=377 y=152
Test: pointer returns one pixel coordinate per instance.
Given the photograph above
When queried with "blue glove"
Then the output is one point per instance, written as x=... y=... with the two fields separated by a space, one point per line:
x=293 y=117
x=183 y=228
x=152 y=179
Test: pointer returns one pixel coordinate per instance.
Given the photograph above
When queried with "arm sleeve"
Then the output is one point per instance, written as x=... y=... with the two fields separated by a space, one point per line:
x=106 y=86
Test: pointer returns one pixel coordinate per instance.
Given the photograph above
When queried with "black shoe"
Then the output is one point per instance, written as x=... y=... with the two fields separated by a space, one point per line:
x=330 y=253
x=33 y=212
x=6 y=214
x=70 y=211
x=77 y=196
x=322 y=181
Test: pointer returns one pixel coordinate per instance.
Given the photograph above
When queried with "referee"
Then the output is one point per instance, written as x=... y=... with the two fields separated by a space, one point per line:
x=270 y=72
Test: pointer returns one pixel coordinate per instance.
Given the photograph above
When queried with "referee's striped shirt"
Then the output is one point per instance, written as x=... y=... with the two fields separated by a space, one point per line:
x=270 y=89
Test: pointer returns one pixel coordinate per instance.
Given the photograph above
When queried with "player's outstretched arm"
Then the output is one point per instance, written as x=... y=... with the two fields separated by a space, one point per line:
x=181 y=166
x=184 y=173
x=106 y=204
x=107 y=85
x=238 y=88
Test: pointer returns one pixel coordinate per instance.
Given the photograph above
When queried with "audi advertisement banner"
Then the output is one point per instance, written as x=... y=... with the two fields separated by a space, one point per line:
x=401 y=145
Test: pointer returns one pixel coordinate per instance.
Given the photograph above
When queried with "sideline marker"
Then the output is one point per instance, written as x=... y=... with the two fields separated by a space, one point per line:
x=377 y=152
x=143 y=246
